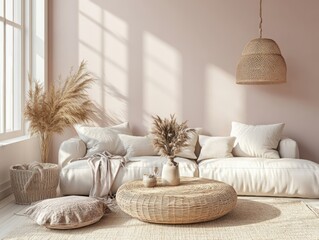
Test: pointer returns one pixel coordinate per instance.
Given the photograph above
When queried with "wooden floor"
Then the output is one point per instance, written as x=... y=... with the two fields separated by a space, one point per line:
x=9 y=220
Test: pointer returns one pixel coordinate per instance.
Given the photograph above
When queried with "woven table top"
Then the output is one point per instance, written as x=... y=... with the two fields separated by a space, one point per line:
x=189 y=187
x=194 y=200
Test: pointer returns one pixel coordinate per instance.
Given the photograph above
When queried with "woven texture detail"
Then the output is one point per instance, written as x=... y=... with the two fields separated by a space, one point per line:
x=252 y=219
x=41 y=185
x=261 y=63
x=67 y=212
x=194 y=200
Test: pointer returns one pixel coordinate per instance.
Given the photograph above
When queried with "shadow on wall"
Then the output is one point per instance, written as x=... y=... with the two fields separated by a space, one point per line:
x=163 y=57
x=151 y=64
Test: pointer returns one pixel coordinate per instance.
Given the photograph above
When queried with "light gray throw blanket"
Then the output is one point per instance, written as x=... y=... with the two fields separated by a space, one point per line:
x=105 y=168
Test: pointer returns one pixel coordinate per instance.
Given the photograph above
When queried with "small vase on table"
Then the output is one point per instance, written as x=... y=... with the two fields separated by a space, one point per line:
x=170 y=172
x=169 y=137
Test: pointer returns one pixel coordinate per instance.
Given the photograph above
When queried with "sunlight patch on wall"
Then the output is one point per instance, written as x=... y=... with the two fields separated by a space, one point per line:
x=103 y=43
x=90 y=37
x=162 y=67
x=115 y=51
x=225 y=102
x=38 y=46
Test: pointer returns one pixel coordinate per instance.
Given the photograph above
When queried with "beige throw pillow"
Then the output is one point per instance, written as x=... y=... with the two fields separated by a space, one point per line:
x=67 y=212
x=215 y=147
x=99 y=139
x=256 y=141
x=189 y=150
x=136 y=146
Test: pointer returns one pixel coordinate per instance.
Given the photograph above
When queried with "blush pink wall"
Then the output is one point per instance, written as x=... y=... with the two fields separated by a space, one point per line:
x=180 y=56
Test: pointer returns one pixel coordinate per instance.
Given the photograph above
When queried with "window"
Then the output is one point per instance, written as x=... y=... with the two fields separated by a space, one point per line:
x=11 y=62
x=22 y=51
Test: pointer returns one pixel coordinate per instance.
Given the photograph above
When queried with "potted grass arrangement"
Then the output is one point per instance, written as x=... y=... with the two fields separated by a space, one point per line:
x=169 y=137
x=51 y=111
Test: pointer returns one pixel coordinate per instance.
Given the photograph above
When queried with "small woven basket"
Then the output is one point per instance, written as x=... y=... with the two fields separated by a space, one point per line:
x=30 y=186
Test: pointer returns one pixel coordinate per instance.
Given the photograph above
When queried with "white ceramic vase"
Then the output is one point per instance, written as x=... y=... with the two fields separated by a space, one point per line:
x=170 y=173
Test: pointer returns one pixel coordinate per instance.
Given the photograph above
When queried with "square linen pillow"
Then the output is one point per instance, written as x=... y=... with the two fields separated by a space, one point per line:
x=136 y=146
x=256 y=141
x=67 y=212
x=99 y=139
x=189 y=150
x=215 y=147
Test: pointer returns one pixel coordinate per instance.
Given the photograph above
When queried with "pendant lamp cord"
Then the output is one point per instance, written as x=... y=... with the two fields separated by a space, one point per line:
x=261 y=20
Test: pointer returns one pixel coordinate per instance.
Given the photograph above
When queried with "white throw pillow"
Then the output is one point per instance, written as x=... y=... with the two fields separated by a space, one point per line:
x=215 y=147
x=67 y=212
x=256 y=141
x=99 y=139
x=189 y=150
x=136 y=146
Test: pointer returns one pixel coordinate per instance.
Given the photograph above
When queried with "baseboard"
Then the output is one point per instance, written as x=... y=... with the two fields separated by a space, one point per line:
x=5 y=190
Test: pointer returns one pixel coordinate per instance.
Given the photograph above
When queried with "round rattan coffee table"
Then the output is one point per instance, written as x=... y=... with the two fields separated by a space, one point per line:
x=194 y=200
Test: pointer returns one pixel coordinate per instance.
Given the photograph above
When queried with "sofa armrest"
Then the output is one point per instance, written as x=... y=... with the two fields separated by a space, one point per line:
x=71 y=149
x=288 y=148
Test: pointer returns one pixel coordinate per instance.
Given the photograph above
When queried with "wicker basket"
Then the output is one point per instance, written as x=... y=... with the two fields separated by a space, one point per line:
x=38 y=187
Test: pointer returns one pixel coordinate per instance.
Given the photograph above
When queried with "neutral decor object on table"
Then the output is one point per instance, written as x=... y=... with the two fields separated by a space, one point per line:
x=194 y=200
x=34 y=182
x=149 y=180
x=51 y=111
x=169 y=137
x=67 y=212
x=261 y=61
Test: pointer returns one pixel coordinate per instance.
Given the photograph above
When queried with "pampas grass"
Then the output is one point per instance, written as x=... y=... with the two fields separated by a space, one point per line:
x=169 y=136
x=59 y=107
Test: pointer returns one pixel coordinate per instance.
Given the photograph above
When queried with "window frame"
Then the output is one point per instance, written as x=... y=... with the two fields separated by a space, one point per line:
x=31 y=10
x=5 y=135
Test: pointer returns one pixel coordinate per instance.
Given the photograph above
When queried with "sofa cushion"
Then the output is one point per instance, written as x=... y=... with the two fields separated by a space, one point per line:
x=72 y=148
x=76 y=177
x=67 y=212
x=215 y=147
x=256 y=141
x=288 y=148
x=99 y=139
x=265 y=177
x=189 y=150
x=137 y=146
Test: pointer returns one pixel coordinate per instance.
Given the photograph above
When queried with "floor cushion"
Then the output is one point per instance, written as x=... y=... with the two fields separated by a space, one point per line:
x=67 y=212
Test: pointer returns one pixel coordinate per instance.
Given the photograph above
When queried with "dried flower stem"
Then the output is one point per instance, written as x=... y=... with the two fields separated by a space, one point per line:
x=169 y=136
x=60 y=107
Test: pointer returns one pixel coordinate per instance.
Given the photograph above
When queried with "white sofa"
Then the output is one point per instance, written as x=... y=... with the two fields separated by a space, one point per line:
x=287 y=176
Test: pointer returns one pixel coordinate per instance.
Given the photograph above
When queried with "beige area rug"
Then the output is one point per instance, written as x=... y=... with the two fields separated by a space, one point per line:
x=251 y=219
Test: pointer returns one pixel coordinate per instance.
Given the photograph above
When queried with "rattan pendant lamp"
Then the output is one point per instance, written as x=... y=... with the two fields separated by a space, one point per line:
x=261 y=61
